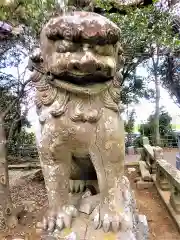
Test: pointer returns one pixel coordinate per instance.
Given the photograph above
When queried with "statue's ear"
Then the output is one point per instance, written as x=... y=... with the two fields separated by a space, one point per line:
x=35 y=59
x=120 y=57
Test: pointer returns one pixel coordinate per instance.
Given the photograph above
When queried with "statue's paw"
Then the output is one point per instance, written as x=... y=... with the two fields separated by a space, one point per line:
x=109 y=220
x=59 y=220
x=77 y=186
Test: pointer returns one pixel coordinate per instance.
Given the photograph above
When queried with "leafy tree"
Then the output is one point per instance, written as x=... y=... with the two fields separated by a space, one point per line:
x=13 y=94
x=147 y=34
x=135 y=88
x=31 y=13
x=167 y=136
x=129 y=126
x=10 y=116
x=170 y=76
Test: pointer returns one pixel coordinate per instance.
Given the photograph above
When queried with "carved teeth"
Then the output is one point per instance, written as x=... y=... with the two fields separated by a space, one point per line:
x=60 y=223
x=116 y=224
x=45 y=223
x=51 y=225
x=96 y=221
x=67 y=221
x=106 y=223
x=76 y=186
x=71 y=184
x=81 y=186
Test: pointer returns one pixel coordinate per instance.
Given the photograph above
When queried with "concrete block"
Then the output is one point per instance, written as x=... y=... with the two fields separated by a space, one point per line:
x=146 y=176
x=131 y=150
x=145 y=140
x=144 y=185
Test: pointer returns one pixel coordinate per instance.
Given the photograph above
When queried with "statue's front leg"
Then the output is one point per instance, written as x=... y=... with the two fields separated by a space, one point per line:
x=107 y=155
x=56 y=165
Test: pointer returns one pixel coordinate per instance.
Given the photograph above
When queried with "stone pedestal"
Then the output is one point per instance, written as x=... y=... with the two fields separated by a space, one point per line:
x=162 y=180
x=82 y=227
x=130 y=150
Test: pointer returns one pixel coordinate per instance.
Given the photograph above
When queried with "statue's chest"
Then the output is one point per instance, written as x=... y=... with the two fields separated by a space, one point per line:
x=84 y=109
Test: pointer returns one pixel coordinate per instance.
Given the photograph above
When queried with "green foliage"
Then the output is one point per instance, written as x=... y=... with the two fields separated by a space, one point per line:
x=134 y=88
x=129 y=127
x=170 y=76
x=31 y=13
x=142 y=30
x=23 y=145
x=129 y=124
x=138 y=142
x=24 y=138
x=6 y=98
x=168 y=138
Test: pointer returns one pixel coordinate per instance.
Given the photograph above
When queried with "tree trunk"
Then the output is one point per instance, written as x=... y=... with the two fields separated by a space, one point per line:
x=157 y=104
x=6 y=207
x=157 y=107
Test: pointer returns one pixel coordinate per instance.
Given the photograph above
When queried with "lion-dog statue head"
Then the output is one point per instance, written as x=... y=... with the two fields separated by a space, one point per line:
x=77 y=80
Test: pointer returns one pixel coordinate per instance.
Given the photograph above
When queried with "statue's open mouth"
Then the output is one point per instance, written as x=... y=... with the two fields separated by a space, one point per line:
x=82 y=79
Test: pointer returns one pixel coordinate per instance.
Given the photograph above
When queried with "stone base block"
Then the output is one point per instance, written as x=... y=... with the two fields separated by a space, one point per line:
x=82 y=227
x=144 y=185
x=175 y=204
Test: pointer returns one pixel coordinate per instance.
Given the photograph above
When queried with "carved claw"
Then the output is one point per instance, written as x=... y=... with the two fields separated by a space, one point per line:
x=62 y=219
x=108 y=220
x=77 y=186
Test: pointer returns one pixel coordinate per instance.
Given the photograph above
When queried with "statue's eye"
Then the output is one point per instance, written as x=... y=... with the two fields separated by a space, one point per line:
x=65 y=46
x=106 y=50
x=61 y=49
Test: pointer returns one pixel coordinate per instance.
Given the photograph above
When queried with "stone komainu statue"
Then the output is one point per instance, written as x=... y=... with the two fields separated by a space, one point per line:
x=77 y=97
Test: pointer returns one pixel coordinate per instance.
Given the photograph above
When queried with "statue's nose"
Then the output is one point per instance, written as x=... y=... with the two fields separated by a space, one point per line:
x=88 y=63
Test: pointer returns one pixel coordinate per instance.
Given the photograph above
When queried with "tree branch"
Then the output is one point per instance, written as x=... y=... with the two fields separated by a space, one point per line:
x=21 y=93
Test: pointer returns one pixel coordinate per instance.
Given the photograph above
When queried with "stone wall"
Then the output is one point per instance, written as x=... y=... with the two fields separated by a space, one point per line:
x=165 y=177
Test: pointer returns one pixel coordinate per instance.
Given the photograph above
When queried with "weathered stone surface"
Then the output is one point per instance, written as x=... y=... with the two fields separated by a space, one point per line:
x=15 y=238
x=77 y=101
x=137 y=179
x=88 y=204
x=149 y=149
x=175 y=199
x=158 y=153
x=142 y=228
x=29 y=206
x=25 y=166
x=162 y=180
x=139 y=150
x=77 y=78
x=82 y=227
x=144 y=185
x=77 y=231
x=146 y=176
x=131 y=150
x=170 y=171
x=34 y=175
x=145 y=141
x=165 y=196
x=168 y=178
